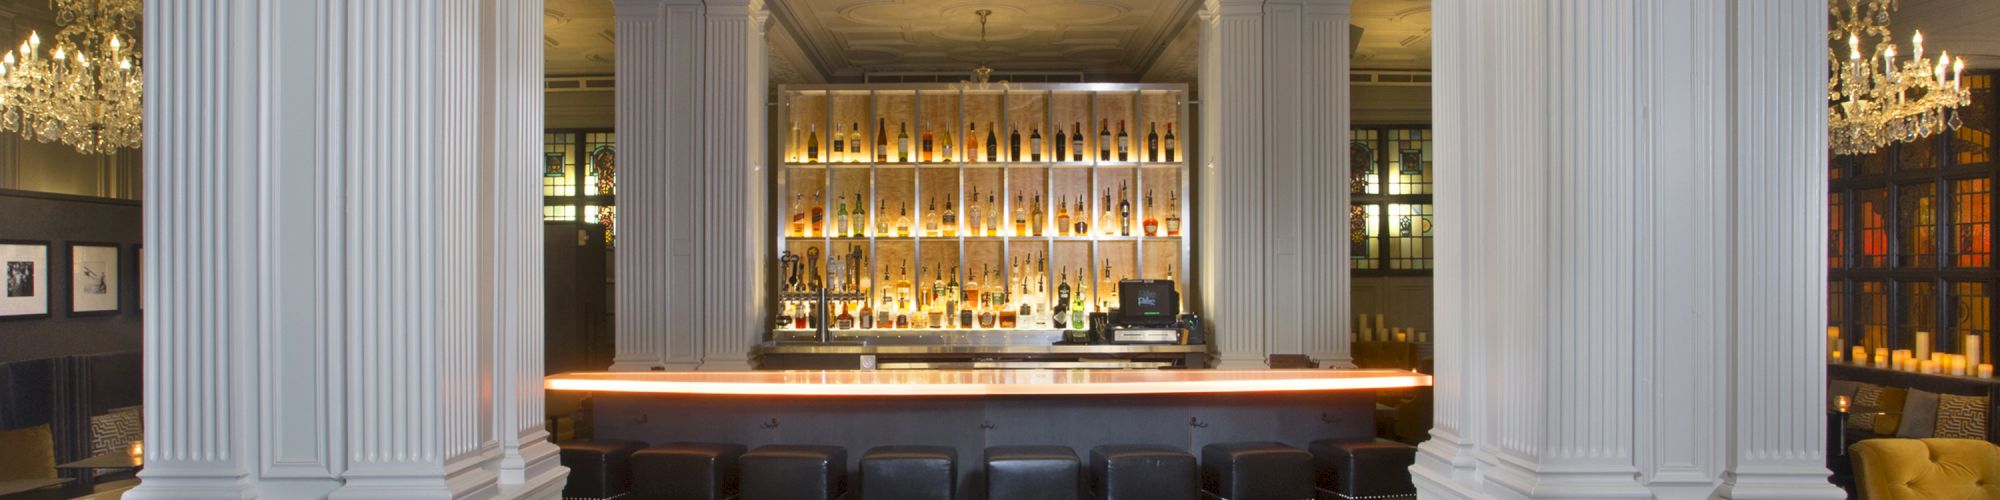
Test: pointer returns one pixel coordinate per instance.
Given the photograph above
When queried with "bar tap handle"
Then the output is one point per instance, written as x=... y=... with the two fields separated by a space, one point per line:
x=812 y=268
x=790 y=262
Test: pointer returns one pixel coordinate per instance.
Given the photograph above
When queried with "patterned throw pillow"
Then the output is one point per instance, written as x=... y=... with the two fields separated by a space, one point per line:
x=1961 y=416
x=1869 y=396
x=115 y=430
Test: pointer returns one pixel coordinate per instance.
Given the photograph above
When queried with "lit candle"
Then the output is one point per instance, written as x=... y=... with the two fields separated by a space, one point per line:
x=1833 y=338
x=1842 y=403
x=1958 y=73
x=1972 y=351
x=1889 y=62
x=1923 y=345
x=1860 y=355
x=1402 y=336
x=1917 y=44
x=1940 y=71
x=1883 y=358
x=1381 y=322
x=1927 y=366
x=1986 y=370
x=138 y=450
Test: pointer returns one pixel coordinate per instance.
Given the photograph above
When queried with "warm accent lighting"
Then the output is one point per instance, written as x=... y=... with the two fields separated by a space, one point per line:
x=1841 y=403
x=1875 y=99
x=983 y=382
x=62 y=97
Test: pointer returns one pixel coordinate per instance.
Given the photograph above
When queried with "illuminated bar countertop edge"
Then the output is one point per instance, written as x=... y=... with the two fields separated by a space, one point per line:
x=1075 y=382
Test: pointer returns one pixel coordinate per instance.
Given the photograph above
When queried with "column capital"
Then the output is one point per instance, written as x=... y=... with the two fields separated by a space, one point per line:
x=1233 y=8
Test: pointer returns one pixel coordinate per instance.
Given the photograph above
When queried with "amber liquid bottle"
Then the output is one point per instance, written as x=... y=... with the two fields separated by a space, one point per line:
x=881 y=140
x=927 y=153
x=1152 y=225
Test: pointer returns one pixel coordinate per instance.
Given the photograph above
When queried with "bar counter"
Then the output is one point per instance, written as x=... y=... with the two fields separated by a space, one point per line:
x=1083 y=382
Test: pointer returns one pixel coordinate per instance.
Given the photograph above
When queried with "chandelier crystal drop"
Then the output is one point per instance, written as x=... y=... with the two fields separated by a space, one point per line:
x=84 y=91
x=1874 y=98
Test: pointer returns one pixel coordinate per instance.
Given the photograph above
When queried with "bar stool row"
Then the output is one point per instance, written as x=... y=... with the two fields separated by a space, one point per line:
x=1232 y=471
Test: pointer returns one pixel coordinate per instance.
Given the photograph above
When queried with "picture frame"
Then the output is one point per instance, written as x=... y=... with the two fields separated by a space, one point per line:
x=24 y=287
x=94 y=278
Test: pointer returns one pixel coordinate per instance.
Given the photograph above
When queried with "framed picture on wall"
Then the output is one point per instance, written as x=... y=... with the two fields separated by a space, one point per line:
x=26 y=292
x=93 y=271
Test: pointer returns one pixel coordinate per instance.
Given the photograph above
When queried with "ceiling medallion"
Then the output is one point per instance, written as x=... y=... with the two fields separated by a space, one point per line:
x=86 y=91
x=1875 y=100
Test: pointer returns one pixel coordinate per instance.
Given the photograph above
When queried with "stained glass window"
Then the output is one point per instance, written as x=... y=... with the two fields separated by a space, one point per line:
x=559 y=164
x=1873 y=304
x=1365 y=230
x=1875 y=164
x=1874 y=250
x=1365 y=162
x=1408 y=161
x=1972 y=143
x=1972 y=310
x=1919 y=314
x=1919 y=226
x=1836 y=227
x=1920 y=154
x=599 y=153
x=577 y=169
x=1836 y=306
x=1409 y=236
x=1972 y=222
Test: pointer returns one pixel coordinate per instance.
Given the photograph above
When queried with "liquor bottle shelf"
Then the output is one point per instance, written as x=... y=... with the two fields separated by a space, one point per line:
x=983 y=164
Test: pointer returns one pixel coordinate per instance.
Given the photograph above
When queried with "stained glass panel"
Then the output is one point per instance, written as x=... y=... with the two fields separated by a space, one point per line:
x=562 y=144
x=1409 y=236
x=1972 y=223
x=1874 y=251
x=1972 y=308
x=1919 y=314
x=1836 y=229
x=1920 y=154
x=1408 y=161
x=600 y=154
x=1872 y=303
x=1365 y=230
x=1836 y=306
x=1876 y=163
x=1918 y=222
x=1972 y=144
x=1365 y=162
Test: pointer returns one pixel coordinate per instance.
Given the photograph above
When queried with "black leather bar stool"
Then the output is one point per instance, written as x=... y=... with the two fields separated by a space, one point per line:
x=794 y=472
x=909 y=473
x=1374 y=469
x=1260 y=470
x=1142 y=472
x=598 y=469
x=690 y=471
x=1032 y=473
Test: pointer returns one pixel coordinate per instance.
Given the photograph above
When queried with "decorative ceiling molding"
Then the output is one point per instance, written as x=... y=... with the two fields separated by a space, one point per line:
x=1108 y=39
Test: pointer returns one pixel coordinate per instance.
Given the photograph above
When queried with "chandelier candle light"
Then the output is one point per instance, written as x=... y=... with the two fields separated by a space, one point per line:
x=86 y=92
x=1878 y=100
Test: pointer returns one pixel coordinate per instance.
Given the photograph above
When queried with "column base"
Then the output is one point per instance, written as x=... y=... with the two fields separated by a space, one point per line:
x=541 y=475
x=1805 y=483
x=1510 y=479
x=725 y=364
x=473 y=478
x=1445 y=468
x=154 y=486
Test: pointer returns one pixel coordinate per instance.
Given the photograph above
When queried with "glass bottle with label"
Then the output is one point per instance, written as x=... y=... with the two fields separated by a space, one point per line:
x=928 y=152
x=881 y=140
x=1076 y=141
x=971 y=142
x=1062 y=218
x=972 y=213
x=903 y=220
x=1035 y=143
x=1013 y=144
x=1109 y=221
x=854 y=139
x=1124 y=142
x=812 y=144
x=1152 y=224
x=1059 y=311
x=944 y=147
x=858 y=219
x=846 y=320
x=1152 y=141
x=1035 y=216
x=1082 y=219
x=1170 y=142
x=1062 y=144
x=840 y=217
x=818 y=219
x=1020 y=217
x=1173 y=214
x=1104 y=140
x=798 y=215
x=950 y=218
x=931 y=220
x=993 y=216
x=903 y=142
x=1124 y=212
x=992 y=144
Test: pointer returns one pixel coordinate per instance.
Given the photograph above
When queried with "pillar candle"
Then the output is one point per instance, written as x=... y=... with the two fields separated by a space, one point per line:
x=1883 y=358
x=1402 y=336
x=1923 y=345
x=1833 y=338
x=1860 y=356
x=1972 y=350
x=1985 y=370
x=1927 y=366
x=1381 y=323
x=1360 y=322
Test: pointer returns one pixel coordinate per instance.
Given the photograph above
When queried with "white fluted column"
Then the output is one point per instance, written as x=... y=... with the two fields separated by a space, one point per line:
x=1446 y=464
x=1778 y=132
x=1235 y=166
x=659 y=186
x=734 y=91
x=1307 y=121
x=528 y=461
x=199 y=207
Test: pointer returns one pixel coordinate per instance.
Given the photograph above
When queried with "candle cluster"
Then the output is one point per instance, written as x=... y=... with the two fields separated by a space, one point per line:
x=1920 y=359
x=1381 y=332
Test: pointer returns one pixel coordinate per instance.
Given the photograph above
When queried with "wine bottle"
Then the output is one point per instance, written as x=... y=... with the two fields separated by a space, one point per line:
x=1124 y=142
x=950 y=218
x=1014 y=145
x=881 y=140
x=839 y=150
x=928 y=154
x=1076 y=141
x=944 y=147
x=1035 y=144
x=1020 y=217
x=1124 y=212
x=840 y=217
x=812 y=144
x=1152 y=142
x=1170 y=142
x=992 y=144
x=1062 y=144
x=903 y=142
x=854 y=143
x=1104 y=140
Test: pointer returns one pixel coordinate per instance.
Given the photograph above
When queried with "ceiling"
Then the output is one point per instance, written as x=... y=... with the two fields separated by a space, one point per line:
x=815 y=41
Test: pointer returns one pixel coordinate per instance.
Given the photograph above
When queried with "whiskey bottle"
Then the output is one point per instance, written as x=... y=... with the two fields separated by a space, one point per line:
x=818 y=219
x=1076 y=141
x=1077 y=302
x=784 y=319
x=934 y=309
x=944 y=147
x=1082 y=219
x=812 y=144
x=951 y=300
x=846 y=320
x=1062 y=218
x=1152 y=224
x=881 y=140
x=992 y=144
x=798 y=216
x=1035 y=143
x=971 y=142
x=950 y=218
x=903 y=220
x=858 y=220
x=854 y=143
x=929 y=154
x=972 y=213
x=931 y=219
x=1152 y=141
x=840 y=217
x=1062 y=144
x=1104 y=140
x=903 y=142
x=1173 y=212
x=1107 y=222
x=866 y=319
x=993 y=216
x=1059 y=311
x=904 y=292
x=1124 y=212
x=1170 y=142
x=1020 y=217
x=1124 y=142
x=1014 y=144
x=1035 y=218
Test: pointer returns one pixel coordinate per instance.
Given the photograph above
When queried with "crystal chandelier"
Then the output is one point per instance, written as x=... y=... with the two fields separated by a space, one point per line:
x=85 y=91
x=1875 y=99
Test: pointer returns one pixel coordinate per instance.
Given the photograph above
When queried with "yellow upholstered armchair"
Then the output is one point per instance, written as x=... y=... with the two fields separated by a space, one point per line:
x=1925 y=469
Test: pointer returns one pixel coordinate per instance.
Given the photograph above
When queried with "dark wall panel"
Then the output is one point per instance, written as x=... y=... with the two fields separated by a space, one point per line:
x=60 y=220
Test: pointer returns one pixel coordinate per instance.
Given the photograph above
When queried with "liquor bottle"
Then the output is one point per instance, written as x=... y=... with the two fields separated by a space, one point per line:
x=903 y=142
x=1020 y=217
x=1062 y=218
x=972 y=213
x=1152 y=141
x=784 y=319
x=971 y=142
x=812 y=144
x=1170 y=142
x=866 y=319
x=1014 y=144
x=935 y=311
x=802 y=317
x=1062 y=144
x=1124 y=212
x=854 y=140
x=993 y=216
x=992 y=144
x=951 y=302
x=1124 y=142
x=845 y=320
x=886 y=316
x=1076 y=305
x=1059 y=311
x=839 y=145
x=1107 y=222
x=818 y=219
x=1035 y=218
x=1104 y=140
x=795 y=152
x=903 y=220
x=1076 y=141
x=931 y=219
x=858 y=220
x=1035 y=143
x=950 y=218
x=798 y=216
x=1082 y=219
x=881 y=140
x=944 y=147
x=965 y=316
x=969 y=295
x=1173 y=214
x=903 y=289
x=929 y=154
x=1152 y=224
x=840 y=217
